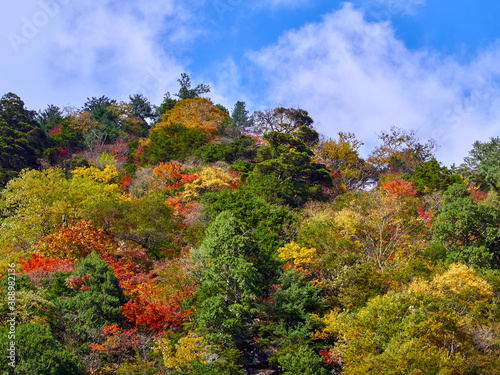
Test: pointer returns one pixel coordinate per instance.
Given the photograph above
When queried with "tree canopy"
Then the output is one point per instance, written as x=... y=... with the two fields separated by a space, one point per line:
x=184 y=238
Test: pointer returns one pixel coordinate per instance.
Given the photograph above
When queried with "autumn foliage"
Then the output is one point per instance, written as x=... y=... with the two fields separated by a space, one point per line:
x=169 y=176
x=77 y=282
x=425 y=215
x=476 y=192
x=459 y=281
x=298 y=257
x=42 y=264
x=165 y=242
x=107 y=175
x=37 y=266
x=116 y=339
x=124 y=182
x=147 y=313
x=129 y=273
x=153 y=316
x=211 y=179
x=188 y=349
x=398 y=188
x=197 y=113
x=75 y=240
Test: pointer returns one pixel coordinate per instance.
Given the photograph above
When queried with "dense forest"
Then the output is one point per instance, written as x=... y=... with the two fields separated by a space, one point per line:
x=187 y=238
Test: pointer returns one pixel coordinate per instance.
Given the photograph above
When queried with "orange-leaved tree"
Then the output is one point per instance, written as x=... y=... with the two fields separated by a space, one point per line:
x=75 y=240
x=169 y=176
x=397 y=188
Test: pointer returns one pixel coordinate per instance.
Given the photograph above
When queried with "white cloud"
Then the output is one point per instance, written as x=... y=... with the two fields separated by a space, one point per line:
x=61 y=52
x=226 y=83
x=352 y=75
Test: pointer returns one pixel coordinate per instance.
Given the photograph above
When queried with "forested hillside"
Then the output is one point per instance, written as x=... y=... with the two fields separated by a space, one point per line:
x=186 y=238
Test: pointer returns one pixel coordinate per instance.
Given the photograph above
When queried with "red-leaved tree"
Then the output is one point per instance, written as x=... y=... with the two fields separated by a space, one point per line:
x=144 y=312
x=38 y=266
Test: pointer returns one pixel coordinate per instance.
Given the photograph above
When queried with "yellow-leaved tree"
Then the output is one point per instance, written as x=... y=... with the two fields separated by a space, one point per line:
x=210 y=179
x=189 y=348
x=37 y=203
x=459 y=284
x=386 y=229
x=31 y=307
x=426 y=329
x=80 y=120
x=341 y=156
x=401 y=150
x=197 y=113
x=301 y=258
x=362 y=240
x=108 y=174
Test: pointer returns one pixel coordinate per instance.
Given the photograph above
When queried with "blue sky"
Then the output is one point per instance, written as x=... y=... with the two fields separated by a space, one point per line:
x=360 y=66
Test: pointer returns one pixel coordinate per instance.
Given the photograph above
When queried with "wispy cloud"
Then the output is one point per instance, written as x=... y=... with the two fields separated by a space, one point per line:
x=67 y=51
x=353 y=75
